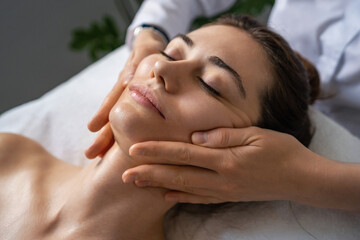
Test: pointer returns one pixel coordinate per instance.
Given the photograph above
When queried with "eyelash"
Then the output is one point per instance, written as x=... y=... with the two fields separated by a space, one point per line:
x=202 y=82
x=167 y=56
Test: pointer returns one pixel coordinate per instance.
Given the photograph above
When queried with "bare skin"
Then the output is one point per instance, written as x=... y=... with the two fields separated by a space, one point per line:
x=44 y=198
x=62 y=201
x=147 y=42
x=340 y=179
x=251 y=164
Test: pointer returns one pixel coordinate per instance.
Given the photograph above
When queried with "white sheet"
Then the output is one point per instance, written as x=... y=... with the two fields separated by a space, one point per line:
x=58 y=121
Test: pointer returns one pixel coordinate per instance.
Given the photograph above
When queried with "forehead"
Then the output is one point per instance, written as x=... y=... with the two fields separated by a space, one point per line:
x=219 y=34
x=230 y=43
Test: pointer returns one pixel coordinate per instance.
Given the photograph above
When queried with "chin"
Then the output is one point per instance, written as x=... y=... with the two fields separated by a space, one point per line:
x=132 y=124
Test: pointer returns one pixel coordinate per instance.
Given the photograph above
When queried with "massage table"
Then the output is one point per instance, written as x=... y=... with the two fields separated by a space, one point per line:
x=58 y=121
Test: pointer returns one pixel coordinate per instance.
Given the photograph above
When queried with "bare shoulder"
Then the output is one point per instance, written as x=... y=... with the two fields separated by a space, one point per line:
x=11 y=143
x=14 y=148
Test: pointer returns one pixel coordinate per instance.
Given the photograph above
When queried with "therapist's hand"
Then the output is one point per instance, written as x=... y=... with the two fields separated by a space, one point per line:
x=226 y=165
x=146 y=43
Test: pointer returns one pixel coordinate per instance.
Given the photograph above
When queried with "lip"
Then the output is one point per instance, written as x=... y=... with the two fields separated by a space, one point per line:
x=145 y=97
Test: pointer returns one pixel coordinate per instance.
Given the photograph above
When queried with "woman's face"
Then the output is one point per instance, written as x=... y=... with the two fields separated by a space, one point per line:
x=212 y=77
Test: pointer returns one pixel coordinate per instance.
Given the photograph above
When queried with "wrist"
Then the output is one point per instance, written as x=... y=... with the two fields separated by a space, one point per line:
x=150 y=34
x=301 y=178
x=324 y=183
x=157 y=30
x=150 y=39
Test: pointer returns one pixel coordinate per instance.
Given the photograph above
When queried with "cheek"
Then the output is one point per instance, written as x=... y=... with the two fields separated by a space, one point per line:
x=194 y=111
x=201 y=113
x=131 y=123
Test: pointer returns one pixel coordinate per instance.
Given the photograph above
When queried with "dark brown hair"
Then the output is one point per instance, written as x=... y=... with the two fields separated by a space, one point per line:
x=295 y=81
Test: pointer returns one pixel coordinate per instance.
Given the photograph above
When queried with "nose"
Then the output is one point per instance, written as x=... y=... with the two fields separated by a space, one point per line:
x=173 y=74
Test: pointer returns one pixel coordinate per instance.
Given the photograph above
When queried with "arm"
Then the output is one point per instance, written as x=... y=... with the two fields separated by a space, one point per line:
x=330 y=184
x=249 y=164
x=174 y=16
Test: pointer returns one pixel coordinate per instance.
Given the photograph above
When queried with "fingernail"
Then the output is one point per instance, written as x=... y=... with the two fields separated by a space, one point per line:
x=142 y=183
x=128 y=178
x=199 y=137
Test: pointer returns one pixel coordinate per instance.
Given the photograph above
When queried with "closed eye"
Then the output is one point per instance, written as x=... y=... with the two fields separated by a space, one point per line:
x=206 y=86
x=167 y=56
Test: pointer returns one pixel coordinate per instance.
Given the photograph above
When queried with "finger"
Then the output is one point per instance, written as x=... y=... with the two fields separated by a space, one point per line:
x=227 y=137
x=102 y=115
x=181 y=178
x=137 y=55
x=182 y=197
x=176 y=153
x=103 y=141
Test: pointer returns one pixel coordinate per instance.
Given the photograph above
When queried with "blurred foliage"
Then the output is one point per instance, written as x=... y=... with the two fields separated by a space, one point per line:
x=103 y=37
x=249 y=7
x=99 y=39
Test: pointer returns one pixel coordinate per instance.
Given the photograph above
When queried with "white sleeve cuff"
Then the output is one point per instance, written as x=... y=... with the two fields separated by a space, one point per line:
x=174 y=16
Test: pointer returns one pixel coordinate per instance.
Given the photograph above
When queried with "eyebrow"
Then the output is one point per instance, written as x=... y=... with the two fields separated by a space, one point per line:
x=237 y=79
x=219 y=63
x=186 y=39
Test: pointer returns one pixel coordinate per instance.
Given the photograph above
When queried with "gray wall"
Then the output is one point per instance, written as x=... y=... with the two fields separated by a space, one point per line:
x=34 y=40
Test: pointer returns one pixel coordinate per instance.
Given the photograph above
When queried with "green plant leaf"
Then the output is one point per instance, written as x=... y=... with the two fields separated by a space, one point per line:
x=249 y=7
x=98 y=39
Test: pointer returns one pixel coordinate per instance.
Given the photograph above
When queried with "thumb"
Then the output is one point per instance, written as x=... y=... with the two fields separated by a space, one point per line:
x=101 y=116
x=227 y=137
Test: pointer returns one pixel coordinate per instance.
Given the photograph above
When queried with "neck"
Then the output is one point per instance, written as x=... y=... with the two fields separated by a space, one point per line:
x=98 y=203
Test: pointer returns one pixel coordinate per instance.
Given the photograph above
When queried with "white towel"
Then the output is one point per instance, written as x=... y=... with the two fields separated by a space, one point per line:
x=58 y=121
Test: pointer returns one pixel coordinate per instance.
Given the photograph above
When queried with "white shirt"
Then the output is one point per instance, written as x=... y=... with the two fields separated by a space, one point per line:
x=327 y=32
x=174 y=16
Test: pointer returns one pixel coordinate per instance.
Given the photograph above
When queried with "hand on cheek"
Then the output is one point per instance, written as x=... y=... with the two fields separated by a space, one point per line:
x=227 y=165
